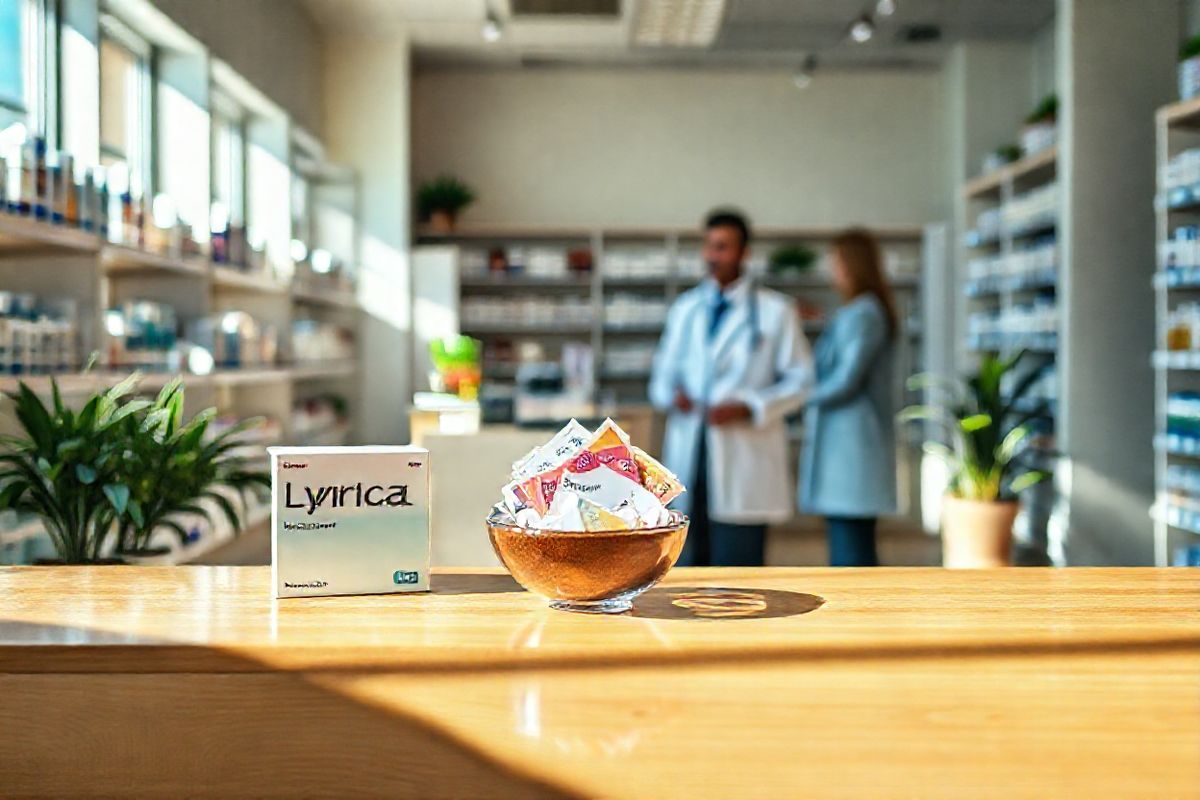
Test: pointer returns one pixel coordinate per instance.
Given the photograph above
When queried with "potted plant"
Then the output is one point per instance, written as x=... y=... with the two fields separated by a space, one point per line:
x=66 y=468
x=1000 y=157
x=174 y=468
x=1041 y=126
x=982 y=435
x=440 y=200
x=791 y=258
x=1189 y=69
x=104 y=478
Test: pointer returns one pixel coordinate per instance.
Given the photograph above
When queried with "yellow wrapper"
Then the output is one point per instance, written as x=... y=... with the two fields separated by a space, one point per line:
x=657 y=479
x=606 y=436
x=598 y=518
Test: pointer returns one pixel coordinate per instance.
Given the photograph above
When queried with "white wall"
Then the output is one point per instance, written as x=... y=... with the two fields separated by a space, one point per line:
x=367 y=127
x=274 y=44
x=662 y=146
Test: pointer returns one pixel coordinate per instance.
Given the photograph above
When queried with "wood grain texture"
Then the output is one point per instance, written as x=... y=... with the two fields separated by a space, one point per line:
x=724 y=683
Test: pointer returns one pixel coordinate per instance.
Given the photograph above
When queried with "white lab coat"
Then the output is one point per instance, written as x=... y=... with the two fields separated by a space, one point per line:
x=749 y=479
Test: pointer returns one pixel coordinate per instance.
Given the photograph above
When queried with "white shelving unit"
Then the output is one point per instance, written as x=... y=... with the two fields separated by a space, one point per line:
x=287 y=194
x=1177 y=370
x=1010 y=281
x=656 y=264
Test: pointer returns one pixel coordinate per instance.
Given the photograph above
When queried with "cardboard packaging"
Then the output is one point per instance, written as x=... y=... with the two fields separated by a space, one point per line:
x=349 y=520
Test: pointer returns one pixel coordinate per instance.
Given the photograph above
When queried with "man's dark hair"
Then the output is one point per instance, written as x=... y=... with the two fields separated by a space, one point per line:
x=729 y=218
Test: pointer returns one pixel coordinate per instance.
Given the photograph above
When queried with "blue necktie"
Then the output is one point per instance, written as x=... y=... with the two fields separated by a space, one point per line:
x=718 y=312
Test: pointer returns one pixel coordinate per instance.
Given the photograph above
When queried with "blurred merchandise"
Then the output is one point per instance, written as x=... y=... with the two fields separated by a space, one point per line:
x=319 y=421
x=527 y=311
x=236 y=340
x=143 y=335
x=457 y=366
x=633 y=310
x=37 y=336
x=314 y=341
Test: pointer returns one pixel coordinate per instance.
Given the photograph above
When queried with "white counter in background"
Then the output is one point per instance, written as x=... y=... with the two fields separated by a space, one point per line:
x=468 y=470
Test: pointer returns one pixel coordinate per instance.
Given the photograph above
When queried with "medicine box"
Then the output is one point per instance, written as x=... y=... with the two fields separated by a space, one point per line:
x=349 y=520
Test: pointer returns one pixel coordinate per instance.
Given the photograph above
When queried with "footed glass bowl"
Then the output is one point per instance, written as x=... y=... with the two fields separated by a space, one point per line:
x=597 y=572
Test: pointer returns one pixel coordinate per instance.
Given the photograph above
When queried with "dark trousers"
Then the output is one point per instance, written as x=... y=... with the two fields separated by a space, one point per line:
x=718 y=544
x=852 y=542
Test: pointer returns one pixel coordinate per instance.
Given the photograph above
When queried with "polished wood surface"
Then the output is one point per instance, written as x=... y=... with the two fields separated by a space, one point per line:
x=723 y=683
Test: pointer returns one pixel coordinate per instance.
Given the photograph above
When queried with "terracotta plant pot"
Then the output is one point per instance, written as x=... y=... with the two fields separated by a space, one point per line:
x=977 y=534
x=442 y=221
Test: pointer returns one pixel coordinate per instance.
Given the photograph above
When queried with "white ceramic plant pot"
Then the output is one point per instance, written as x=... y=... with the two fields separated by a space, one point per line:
x=977 y=534
x=1189 y=78
x=1038 y=136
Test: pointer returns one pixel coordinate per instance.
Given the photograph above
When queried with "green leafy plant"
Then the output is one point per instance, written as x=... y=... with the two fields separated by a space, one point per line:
x=172 y=467
x=982 y=433
x=445 y=193
x=118 y=469
x=1045 y=111
x=67 y=467
x=792 y=258
x=1008 y=153
x=1190 y=48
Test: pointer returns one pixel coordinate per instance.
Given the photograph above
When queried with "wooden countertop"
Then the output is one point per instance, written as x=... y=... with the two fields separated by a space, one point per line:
x=723 y=683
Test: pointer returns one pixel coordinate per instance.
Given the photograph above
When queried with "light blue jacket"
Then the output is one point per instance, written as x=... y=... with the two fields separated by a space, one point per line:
x=848 y=463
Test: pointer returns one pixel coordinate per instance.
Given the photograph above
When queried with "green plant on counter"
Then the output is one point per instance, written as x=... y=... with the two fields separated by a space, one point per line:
x=1045 y=111
x=118 y=469
x=1190 y=49
x=978 y=439
x=66 y=468
x=1008 y=153
x=446 y=194
x=171 y=467
x=792 y=258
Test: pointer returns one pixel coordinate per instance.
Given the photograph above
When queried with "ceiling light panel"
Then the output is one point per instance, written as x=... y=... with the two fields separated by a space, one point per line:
x=678 y=23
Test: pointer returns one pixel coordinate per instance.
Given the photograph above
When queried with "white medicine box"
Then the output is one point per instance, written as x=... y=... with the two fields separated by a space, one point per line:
x=349 y=520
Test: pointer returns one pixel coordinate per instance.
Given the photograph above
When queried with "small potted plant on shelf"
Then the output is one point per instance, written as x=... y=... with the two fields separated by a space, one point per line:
x=791 y=259
x=1189 y=69
x=1041 y=126
x=103 y=478
x=441 y=200
x=982 y=434
x=1000 y=157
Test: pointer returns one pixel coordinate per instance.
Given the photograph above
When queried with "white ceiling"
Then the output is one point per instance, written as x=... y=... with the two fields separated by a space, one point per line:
x=753 y=33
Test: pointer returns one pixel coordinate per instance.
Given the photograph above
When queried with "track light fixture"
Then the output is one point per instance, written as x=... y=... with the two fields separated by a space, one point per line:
x=862 y=30
x=492 y=30
x=804 y=75
x=885 y=8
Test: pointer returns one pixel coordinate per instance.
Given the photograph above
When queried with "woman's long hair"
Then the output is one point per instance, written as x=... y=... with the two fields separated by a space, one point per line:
x=859 y=253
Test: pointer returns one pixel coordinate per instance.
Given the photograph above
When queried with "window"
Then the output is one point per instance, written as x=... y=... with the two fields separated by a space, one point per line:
x=229 y=160
x=22 y=51
x=124 y=108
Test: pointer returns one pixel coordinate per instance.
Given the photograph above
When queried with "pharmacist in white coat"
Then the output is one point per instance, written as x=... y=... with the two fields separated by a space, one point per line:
x=732 y=364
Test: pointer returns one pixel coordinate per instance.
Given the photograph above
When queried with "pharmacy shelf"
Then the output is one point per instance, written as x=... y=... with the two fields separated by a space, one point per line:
x=1177 y=128
x=24 y=531
x=518 y=282
x=1176 y=359
x=118 y=260
x=323 y=370
x=1165 y=513
x=674 y=248
x=234 y=279
x=1034 y=166
x=572 y=328
x=20 y=234
x=335 y=298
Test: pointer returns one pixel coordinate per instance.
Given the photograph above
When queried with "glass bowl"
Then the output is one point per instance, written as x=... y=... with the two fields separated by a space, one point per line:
x=592 y=571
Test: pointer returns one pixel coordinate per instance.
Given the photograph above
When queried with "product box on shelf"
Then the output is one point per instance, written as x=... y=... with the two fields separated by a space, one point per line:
x=349 y=520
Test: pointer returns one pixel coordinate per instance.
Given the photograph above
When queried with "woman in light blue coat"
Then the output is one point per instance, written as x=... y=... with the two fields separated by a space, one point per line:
x=848 y=465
